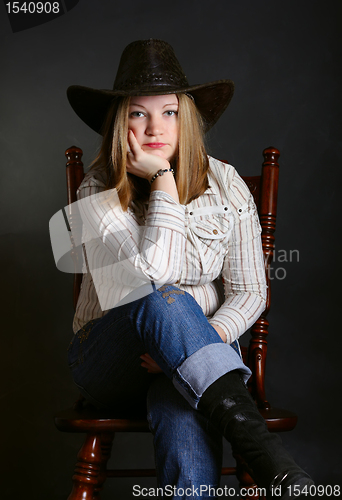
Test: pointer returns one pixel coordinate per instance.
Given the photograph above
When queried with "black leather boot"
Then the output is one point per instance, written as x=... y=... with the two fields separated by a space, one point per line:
x=229 y=407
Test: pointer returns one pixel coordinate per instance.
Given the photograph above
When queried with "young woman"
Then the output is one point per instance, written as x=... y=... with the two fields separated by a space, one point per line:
x=174 y=274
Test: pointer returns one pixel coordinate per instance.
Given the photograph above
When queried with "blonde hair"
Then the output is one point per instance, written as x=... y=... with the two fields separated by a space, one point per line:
x=190 y=162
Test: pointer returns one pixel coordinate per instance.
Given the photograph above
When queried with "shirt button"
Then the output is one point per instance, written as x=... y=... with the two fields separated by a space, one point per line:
x=215 y=231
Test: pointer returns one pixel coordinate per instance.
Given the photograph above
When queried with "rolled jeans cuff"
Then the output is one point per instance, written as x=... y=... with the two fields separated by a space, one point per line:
x=204 y=367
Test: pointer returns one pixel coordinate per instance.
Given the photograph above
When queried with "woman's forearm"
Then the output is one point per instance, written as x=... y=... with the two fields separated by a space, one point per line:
x=166 y=183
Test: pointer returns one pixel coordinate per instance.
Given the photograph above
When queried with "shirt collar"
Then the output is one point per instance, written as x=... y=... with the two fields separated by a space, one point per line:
x=210 y=189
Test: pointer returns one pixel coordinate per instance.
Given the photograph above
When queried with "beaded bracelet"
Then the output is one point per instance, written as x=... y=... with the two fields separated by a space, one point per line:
x=161 y=172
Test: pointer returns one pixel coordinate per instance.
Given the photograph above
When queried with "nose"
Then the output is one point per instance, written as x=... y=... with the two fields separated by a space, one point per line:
x=154 y=126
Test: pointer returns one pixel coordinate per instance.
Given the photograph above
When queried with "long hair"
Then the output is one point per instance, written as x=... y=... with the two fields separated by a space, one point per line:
x=190 y=161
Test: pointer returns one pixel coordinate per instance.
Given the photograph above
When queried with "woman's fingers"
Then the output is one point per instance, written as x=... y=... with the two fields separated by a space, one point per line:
x=150 y=364
x=141 y=163
x=133 y=143
x=147 y=358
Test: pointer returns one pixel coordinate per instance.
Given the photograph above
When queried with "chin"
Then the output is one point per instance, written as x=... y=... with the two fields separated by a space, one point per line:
x=158 y=153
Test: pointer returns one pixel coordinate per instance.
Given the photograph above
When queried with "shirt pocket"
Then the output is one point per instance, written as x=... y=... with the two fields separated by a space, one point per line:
x=213 y=223
x=210 y=229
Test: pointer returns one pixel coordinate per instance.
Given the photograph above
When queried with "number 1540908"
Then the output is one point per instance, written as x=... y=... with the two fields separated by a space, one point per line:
x=315 y=491
x=32 y=7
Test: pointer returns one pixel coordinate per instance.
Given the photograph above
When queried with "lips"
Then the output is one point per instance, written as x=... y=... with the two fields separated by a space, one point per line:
x=155 y=144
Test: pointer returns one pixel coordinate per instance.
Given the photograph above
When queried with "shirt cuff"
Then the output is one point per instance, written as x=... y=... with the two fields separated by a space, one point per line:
x=224 y=328
x=237 y=314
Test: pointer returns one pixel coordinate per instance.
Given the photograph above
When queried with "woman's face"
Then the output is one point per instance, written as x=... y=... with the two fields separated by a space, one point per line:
x=154 y=122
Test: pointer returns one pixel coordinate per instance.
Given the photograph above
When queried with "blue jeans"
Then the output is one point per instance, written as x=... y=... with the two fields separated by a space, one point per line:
x=104 y=357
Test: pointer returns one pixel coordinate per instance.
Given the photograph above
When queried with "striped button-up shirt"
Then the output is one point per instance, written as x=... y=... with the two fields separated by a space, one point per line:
x=211 y=248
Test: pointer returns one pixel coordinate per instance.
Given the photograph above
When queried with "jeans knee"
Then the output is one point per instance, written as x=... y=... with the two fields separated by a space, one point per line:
x=171 y=294
x=171 y=299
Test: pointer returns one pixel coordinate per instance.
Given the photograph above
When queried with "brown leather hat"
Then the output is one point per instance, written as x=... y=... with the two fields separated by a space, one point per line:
x=150 y=67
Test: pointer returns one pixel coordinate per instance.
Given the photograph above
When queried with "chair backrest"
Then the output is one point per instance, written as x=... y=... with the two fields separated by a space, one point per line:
x=74 y=176
x=265 y=191
x=264 y=188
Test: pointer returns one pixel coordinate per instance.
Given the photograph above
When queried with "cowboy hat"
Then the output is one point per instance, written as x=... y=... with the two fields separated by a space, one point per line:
x=150 y=67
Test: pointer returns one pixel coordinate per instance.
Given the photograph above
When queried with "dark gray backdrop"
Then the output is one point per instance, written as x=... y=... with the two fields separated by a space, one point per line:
x=284 y=57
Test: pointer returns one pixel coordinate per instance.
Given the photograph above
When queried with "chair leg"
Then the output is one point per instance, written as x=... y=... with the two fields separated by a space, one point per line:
x=87 y=469
x=106 y=449
x=246 y=482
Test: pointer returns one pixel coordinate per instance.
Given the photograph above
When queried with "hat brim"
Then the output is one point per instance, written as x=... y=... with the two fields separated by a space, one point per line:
x=92 y=105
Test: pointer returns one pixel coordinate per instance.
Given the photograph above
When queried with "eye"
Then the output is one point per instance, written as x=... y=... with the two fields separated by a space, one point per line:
x=136 y=114
x=171 y=112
